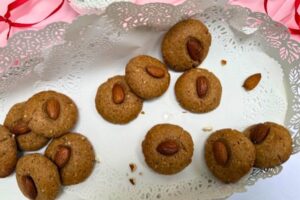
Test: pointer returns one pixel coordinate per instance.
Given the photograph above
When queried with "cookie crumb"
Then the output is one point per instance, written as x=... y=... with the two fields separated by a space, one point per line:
x=97 y=159
x=133 y=167
x=143 y=112
x=207 y=129
x=184 y=111
x=132 y=181
x=141 y=173
x=223 y=62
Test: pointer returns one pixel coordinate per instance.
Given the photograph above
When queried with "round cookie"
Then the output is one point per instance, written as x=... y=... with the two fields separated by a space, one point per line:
x=37 y=177
x=273 y=144
x=186 y=45
x=229 y=155
x=168 y=148
x=80 y=159
x=29 y=141
x=198 y=90
x=50 y=114
x=120 y=108
x=147 y=76
x=8 y=152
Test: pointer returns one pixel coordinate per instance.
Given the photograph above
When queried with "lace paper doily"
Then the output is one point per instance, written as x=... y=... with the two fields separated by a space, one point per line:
x=92 y=42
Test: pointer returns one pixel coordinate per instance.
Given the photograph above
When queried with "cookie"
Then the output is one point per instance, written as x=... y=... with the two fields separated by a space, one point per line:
x=229 y=155
x=147 y=77
x=273 y=144
x=50 y=114
x=37 y=177
x=27 y=141
x=168 y=148
x=116 y=103
x=198 y=91
x=186 y=45
x=8 y=152
x=74 y=156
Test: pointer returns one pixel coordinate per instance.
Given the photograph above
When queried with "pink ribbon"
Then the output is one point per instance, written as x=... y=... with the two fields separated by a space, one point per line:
x=16 y=4
x=297 y=16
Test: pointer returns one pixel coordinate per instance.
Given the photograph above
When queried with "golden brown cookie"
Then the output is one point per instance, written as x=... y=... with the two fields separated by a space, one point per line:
x=198 y=90
x=26 y=141
x=116 y=103
x=74 y=156
x=50 y=114
x=168 y=148
x=8 y=152
x=186 y=45
x=37 y=177
x=273 y=144
x=229 y=155
x=147 y=76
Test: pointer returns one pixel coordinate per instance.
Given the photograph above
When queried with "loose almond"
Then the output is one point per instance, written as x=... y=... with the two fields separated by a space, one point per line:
x=194 y=48
x=19 y=128
x=259 y=133
x=202 y=86
x=252 y=81
x=118 y=94
x=52 y=108
x=62 y=156
x=28 y=186
x=220 y=152
x=168 y=148
x=155 y=72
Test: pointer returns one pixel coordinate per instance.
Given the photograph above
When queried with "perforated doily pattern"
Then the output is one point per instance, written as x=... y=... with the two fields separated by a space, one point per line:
x=237 y=28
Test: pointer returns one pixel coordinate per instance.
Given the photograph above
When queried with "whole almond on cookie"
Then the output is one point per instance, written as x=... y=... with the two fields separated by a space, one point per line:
x=202 y=86
x=52 y=108
x=19 y=128
x=168 y=148
x=118 y=94
x=194 y=48
x=221 y=153
x=259 y=133
x=62 y=156
x=156 y=72
x=252 y=81
x=29 y=187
